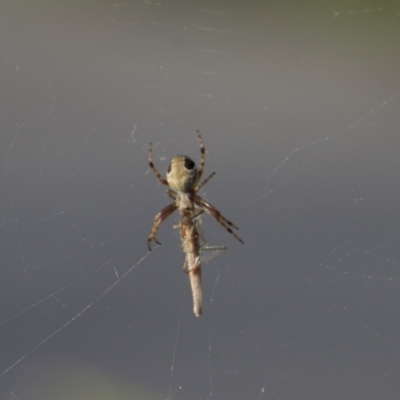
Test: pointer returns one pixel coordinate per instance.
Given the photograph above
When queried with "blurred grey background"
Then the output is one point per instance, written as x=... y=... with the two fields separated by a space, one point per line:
x=298 y=104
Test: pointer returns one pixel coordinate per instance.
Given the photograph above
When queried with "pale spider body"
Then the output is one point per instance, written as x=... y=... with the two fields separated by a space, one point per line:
x=182 y=174
x=183 y=181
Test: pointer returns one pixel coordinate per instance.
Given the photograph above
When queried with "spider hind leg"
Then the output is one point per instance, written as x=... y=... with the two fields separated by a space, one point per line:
x=153 y=168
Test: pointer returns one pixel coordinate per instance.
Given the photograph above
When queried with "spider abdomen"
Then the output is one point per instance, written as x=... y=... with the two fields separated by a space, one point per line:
x=182 y=174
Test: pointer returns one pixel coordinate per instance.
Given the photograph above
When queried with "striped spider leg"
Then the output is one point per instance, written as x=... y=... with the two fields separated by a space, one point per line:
x=166 y=211
x=158 y=220
x=183 y=180
x=211 y=210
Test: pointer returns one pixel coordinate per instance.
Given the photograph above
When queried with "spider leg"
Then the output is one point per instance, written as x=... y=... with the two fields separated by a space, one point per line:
x=171 y=193
x=211 y=210
x=200 y=185
x=202 y=157
x=158 y=220
x=154 y=169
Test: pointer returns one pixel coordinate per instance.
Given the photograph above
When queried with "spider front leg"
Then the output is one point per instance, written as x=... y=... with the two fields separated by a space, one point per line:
x=211 y=210
x=158 y=220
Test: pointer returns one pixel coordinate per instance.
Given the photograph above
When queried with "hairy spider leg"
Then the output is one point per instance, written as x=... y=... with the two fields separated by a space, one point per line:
x=158 y=220
x=202 y=157
x=154 y=169
x=199 y=186
x=211 y=210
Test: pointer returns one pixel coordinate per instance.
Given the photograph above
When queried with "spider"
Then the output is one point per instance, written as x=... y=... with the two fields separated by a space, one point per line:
x=183 y=180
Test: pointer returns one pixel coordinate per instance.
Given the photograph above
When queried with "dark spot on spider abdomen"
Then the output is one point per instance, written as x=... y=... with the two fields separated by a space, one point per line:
x=189 y=163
